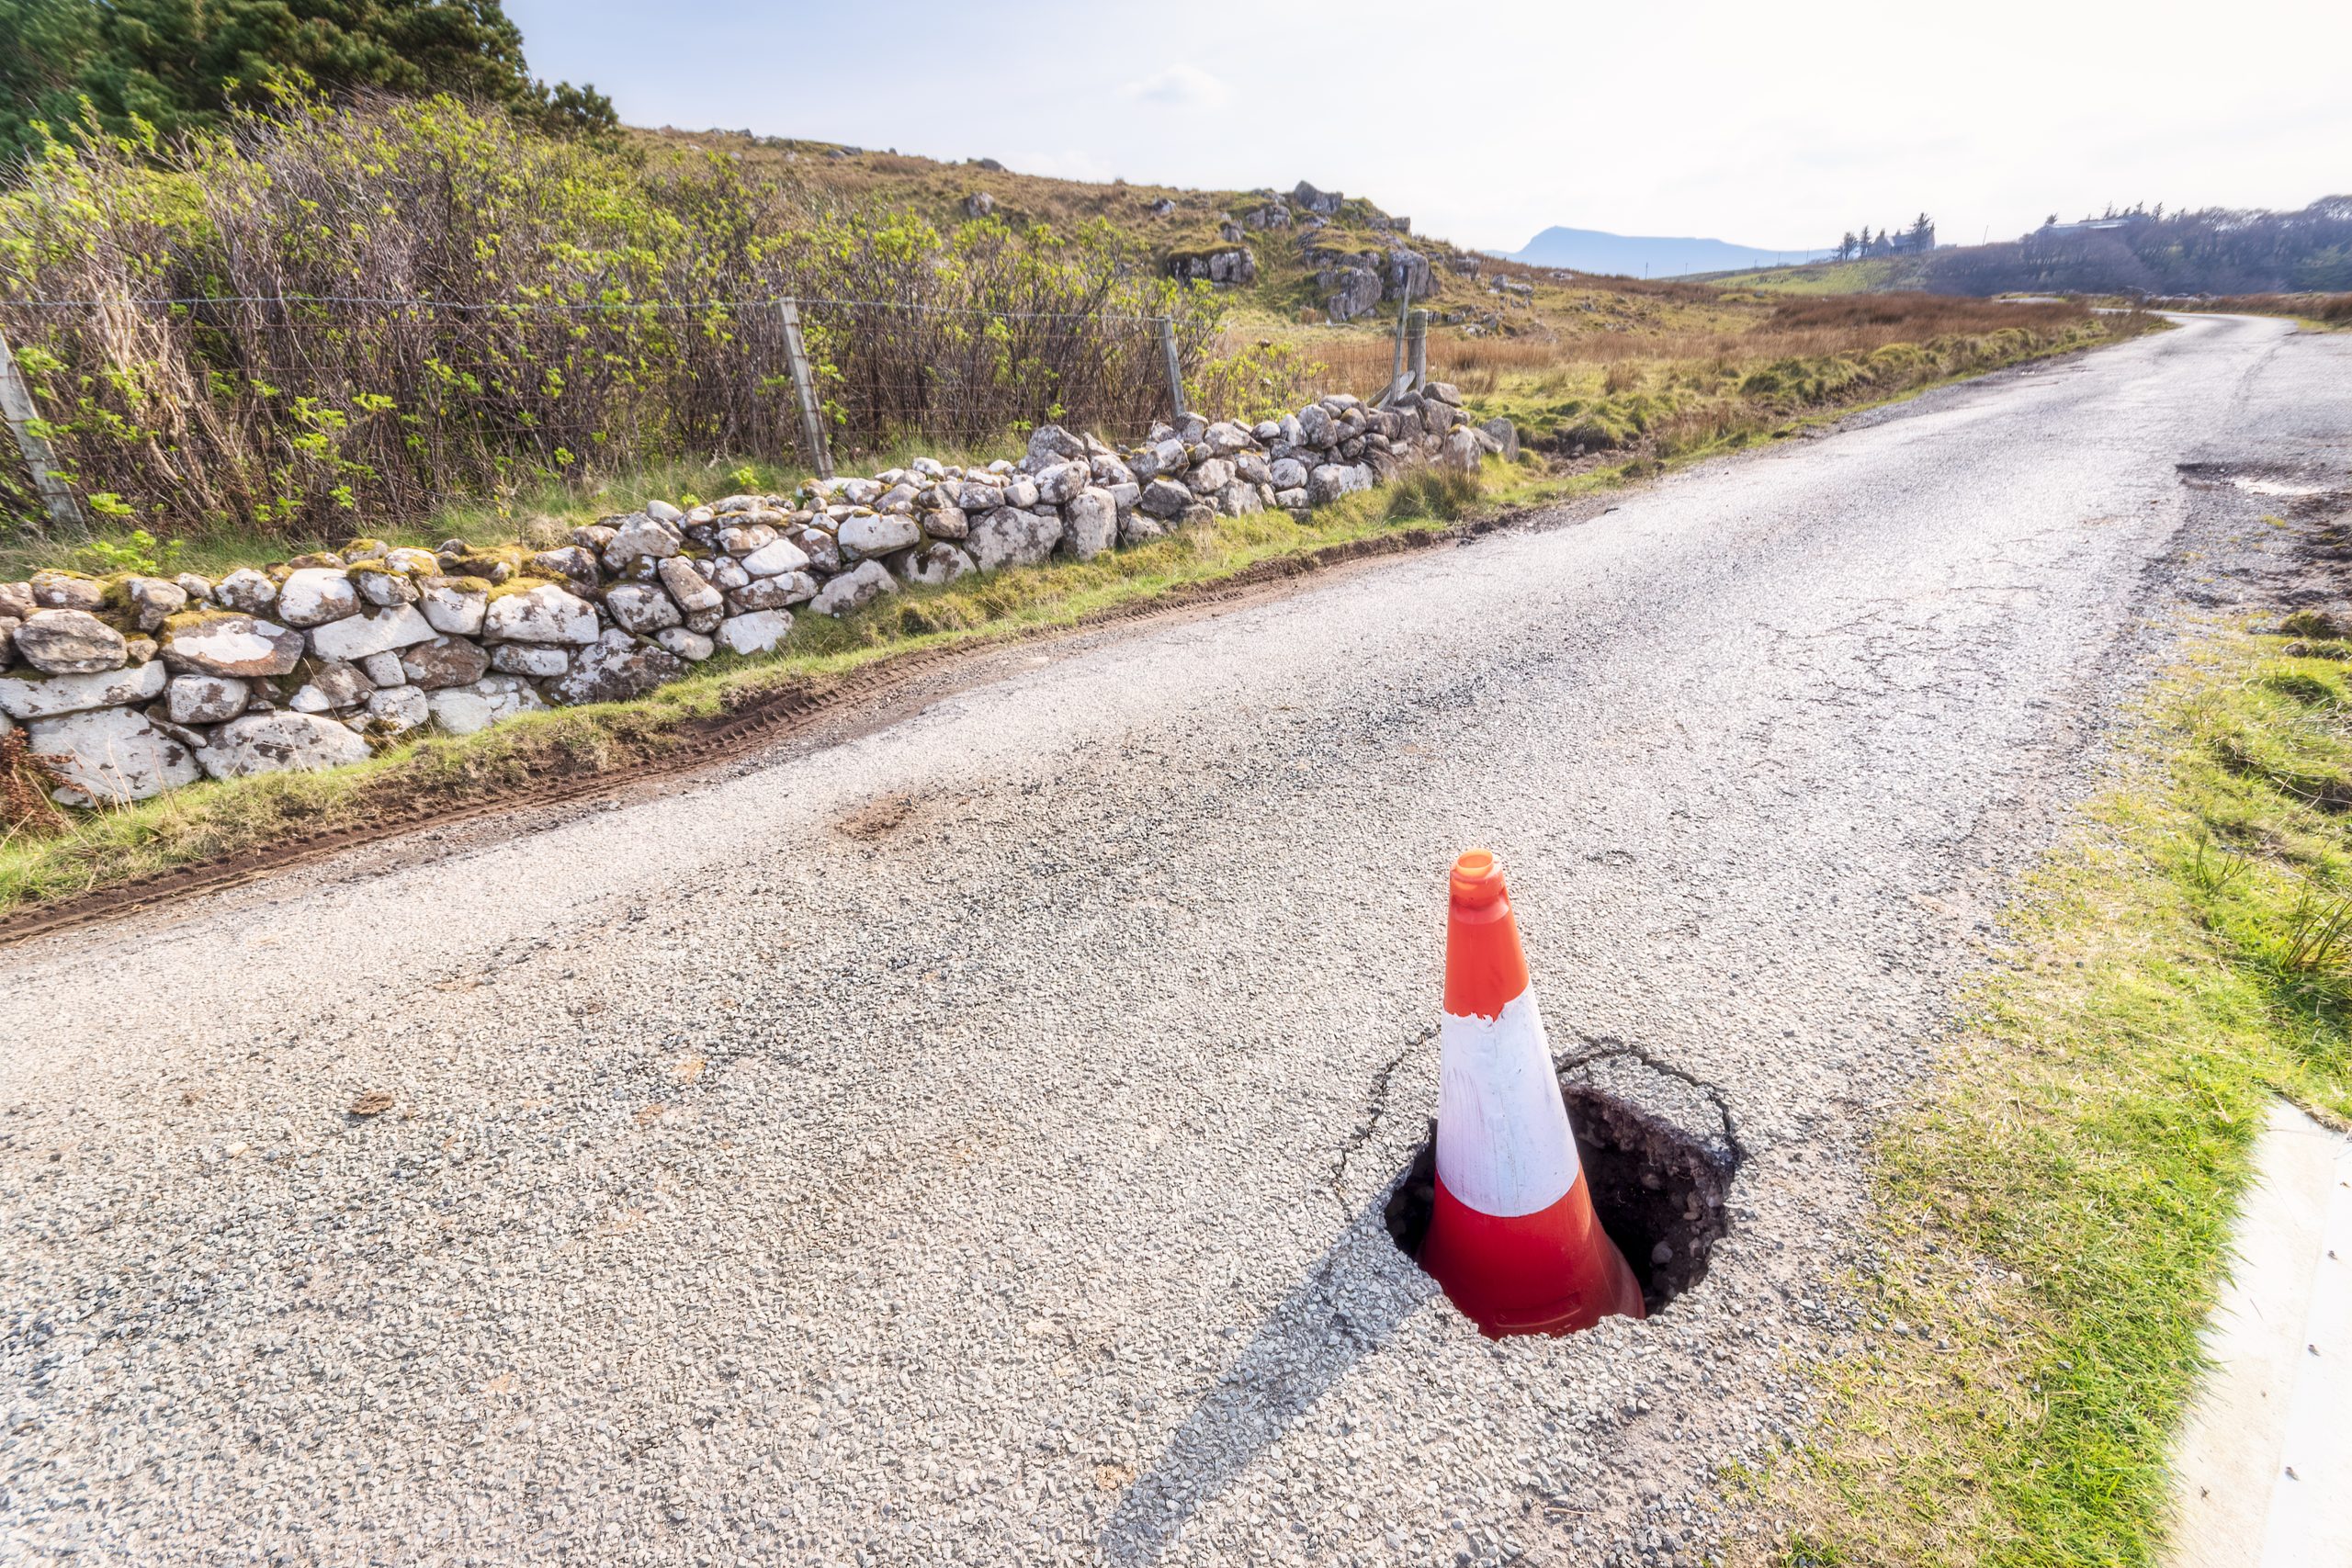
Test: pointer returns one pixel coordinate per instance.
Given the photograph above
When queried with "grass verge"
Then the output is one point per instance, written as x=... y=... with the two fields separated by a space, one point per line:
x=2055 y=1206
x=41 y=863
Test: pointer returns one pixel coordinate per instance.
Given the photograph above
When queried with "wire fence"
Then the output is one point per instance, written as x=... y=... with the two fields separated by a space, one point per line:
x=302 y=412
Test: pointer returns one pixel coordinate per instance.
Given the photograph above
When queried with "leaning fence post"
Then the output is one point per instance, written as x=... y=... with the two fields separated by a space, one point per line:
x=1167 y=325
x=17 y=404
x=804 y=389
x=1397 y=355
x=1420 y=350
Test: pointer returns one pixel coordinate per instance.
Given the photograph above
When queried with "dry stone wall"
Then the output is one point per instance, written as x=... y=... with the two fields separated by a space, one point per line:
x=130 y=686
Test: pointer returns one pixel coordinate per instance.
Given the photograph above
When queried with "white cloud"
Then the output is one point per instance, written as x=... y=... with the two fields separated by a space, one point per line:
x=1179 y=87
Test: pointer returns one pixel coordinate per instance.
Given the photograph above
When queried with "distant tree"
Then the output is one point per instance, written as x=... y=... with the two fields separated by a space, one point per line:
x=1922 y=235
x=1848 y=245
x=2051 y=221
x=181 y=66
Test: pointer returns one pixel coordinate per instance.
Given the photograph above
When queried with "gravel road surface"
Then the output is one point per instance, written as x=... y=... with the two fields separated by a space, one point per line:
x=966 y=1142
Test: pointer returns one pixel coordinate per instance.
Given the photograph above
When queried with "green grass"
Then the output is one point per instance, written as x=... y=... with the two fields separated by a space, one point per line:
x=2056 y=1205
x=1867 y=276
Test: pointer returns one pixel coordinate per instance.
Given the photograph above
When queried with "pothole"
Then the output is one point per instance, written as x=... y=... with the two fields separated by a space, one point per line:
x=1659 y=1156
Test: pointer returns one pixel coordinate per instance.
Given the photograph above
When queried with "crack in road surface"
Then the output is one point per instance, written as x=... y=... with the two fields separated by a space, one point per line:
x=759 y=1191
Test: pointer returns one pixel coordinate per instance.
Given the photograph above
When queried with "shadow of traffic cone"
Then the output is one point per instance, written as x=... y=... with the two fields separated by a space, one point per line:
x=1512 y=1237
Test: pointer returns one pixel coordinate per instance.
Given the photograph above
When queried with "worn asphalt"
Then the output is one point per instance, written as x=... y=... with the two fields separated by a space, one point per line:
x=965 y=1140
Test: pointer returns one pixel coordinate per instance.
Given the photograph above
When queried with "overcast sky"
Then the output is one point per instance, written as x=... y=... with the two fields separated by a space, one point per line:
x=1765 y=125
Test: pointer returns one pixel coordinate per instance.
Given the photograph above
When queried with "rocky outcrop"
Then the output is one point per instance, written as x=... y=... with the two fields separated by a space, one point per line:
x=1228 y=267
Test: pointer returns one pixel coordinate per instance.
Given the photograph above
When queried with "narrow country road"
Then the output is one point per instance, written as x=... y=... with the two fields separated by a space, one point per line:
x=966 y=1142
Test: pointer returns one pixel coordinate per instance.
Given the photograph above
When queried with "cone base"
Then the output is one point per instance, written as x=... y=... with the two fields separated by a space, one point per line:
x=1553 y=1272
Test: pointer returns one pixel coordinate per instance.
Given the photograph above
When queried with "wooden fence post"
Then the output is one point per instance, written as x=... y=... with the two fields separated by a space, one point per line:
x=1397 y=357
x=1175 y=366
x=16 y=405
x=819 y=450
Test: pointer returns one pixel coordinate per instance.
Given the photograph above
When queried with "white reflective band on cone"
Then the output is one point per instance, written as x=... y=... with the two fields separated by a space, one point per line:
x=1503 y=1144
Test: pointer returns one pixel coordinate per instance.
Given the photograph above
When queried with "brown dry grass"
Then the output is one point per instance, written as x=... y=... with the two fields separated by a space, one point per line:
x=1800 y=329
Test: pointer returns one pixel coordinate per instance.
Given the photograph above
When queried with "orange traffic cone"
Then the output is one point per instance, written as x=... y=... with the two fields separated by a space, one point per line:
x=1512 y=1238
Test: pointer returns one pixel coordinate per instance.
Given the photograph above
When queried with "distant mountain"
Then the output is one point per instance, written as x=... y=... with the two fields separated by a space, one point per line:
x=1625 y=255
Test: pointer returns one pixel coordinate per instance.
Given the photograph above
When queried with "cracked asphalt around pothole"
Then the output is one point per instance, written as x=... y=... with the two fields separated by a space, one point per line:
x=966 y=1141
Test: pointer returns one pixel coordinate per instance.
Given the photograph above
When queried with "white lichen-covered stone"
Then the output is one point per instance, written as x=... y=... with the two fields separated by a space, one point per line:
x=1009 y=537
x=641 y=536
x=56 y=589
x=936 y=565
x=544 y=614
x=379 y=631
x=1058 y=483
x=877 y=534
x=641 y=607
x=110 y=756
x=1207 y=478
x=1237 y=498
x=613 y=668
x=52 y=696
x=396 y=710
x=540 y=661
x=246 y=591
x=444 y=661
x=225 y=643
x=1141 y=527
x=853 y=590
x=773 y=593
x=775 y=557
x=315 y=595
x=385 y=589
x=691 y=590
x=692 y=647
x=205 y=699
x=1090 y=523
x=762 y=631
x=153 y=601
x=332 y=685
x=455 y=606
x=69 y=642
x=1163 y=497
x=741 y=540
x=463 y=710
x=279 y=742
x=1224 y=438
x=1329 y=482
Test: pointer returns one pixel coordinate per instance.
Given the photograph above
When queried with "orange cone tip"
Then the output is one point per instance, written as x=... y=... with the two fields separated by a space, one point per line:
x=1512 y=1238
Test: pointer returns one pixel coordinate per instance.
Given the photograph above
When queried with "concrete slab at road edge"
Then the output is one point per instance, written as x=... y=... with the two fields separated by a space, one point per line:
x=2262 y=1477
